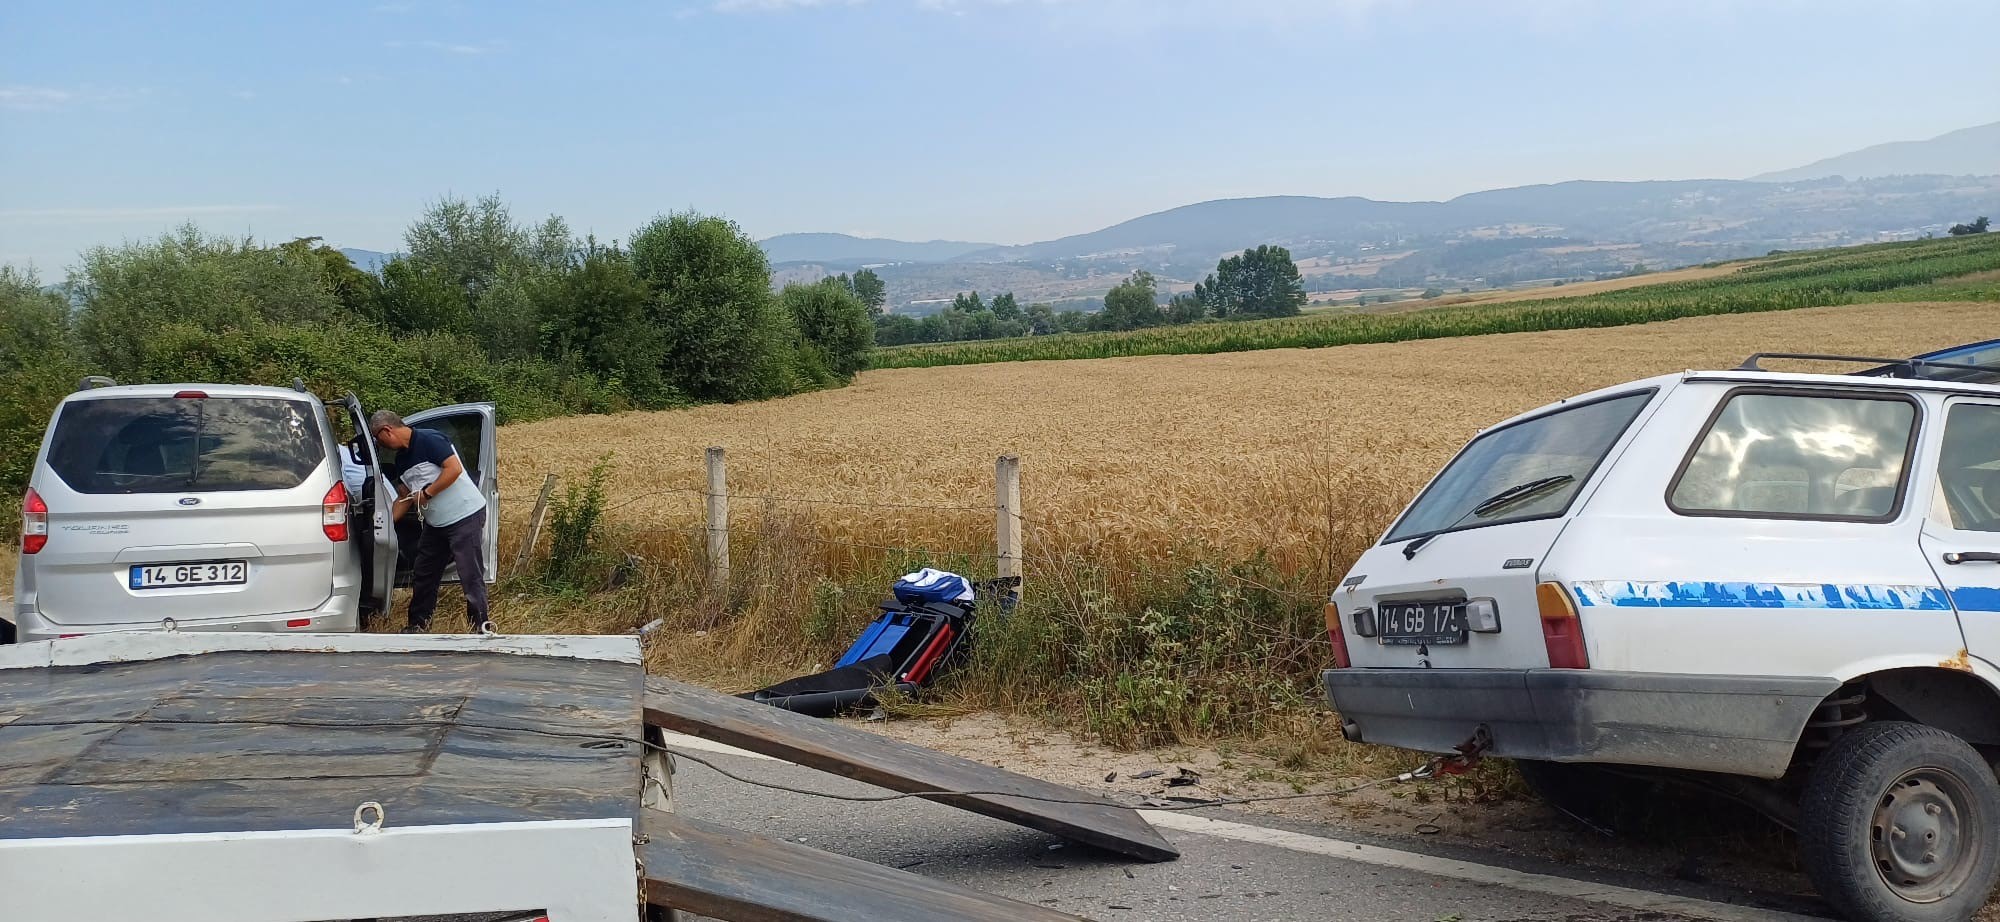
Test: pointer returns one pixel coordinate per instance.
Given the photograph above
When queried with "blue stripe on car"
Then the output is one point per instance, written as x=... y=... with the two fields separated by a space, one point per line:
x=1692 y=594
x=1976 y=598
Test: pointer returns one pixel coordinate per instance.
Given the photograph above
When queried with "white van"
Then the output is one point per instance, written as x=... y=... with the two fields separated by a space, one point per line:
x=1783 y=585
x=213 y=507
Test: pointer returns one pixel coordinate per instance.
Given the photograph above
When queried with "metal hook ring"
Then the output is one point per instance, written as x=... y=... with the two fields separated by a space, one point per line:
x=365 y=826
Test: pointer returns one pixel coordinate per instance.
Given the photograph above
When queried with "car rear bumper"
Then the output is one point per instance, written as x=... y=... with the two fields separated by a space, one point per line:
x=1743 y=725
x=339 y=614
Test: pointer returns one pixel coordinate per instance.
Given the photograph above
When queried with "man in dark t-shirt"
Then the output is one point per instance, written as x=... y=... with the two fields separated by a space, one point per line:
x=431 y=479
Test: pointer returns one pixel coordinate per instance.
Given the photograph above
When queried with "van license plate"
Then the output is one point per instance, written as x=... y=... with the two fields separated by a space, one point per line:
x=210 y=573
x=1423 y=622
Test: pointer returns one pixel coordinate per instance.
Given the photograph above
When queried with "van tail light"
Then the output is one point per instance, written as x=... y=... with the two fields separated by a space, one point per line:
x=1340 y=658
x=34 y=523
x=1562 y=630
x=333 y=513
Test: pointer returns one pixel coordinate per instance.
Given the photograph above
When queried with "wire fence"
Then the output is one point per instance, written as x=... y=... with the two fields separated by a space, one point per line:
x=1070 y=560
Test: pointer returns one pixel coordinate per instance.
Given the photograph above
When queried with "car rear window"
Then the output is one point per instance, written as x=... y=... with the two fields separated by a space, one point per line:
x=185 y=445
x=1799 y=455
x=1529 y=470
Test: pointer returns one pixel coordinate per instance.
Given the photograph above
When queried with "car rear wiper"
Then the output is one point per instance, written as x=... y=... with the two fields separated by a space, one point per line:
x=1517 y=493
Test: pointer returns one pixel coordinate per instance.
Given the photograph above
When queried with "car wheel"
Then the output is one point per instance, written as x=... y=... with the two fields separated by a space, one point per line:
x=1591 y=795
x=1898 y=824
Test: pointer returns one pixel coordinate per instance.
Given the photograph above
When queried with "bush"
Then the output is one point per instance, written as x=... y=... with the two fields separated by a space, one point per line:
x=579 y=560
x=835 y=331
x=709 y=294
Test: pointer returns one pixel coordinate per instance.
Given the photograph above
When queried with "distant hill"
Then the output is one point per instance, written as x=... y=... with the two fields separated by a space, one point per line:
x=845 y=249
x=1600 y=210
x=367 y=260
x=1570 y=230
x=1965 y=152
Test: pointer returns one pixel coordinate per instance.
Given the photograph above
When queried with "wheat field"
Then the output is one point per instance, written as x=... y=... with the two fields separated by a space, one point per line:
x=1240 y=451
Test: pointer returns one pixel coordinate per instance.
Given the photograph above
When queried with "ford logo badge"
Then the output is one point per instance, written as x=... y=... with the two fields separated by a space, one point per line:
x=190 y=500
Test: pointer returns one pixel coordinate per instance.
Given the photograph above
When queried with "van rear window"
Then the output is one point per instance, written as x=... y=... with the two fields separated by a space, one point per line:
x=185 y=445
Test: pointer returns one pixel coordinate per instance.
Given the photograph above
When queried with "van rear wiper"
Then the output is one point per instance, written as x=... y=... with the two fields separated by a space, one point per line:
x=1517 y=493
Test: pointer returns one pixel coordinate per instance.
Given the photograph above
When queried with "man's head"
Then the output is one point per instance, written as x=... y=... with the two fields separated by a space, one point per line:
x=389 y=430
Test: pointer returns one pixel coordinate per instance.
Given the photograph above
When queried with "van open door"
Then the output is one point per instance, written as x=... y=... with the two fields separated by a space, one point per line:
x=378 y=540
x=474 y=430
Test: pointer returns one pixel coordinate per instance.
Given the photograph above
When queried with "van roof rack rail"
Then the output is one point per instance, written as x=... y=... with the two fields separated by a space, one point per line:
x=1883 y=367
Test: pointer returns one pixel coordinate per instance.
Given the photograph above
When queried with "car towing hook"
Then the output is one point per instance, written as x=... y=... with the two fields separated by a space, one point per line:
x=1468 y=753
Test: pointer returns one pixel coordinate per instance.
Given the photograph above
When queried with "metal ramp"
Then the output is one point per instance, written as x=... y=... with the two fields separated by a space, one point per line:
x=725 y=873
x=900 y=766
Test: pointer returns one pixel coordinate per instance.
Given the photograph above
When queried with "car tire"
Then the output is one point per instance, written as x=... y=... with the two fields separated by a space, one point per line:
x=1898 y=824
x=1589 y=794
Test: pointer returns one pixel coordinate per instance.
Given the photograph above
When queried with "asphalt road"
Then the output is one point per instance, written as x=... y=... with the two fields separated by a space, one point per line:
x=1243 y=867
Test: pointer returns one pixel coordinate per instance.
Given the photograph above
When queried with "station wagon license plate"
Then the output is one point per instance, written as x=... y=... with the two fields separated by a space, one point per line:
x=208 y=573
x=1423 y=622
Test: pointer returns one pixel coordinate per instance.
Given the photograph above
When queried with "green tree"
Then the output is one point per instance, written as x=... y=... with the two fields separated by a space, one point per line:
x=709 y=292
x=1041 y=319
x=360 y=292
x=127 y=294
x=1433 y=293
x=967 y=303
x=417 y=297
x=37 y=367
x=1004 y=307
x=468 y=243
x=1132 y=304
x=598 y=319
x=1259 y=282
x=1976 y=227
x=1185 y=308
x=869 y=288
x=835 y=331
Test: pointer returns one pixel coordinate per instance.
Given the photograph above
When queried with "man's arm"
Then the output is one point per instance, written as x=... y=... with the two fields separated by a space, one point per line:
x=447 y=475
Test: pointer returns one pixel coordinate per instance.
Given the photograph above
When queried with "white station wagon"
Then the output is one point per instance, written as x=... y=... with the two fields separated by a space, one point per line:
x=1783 y=585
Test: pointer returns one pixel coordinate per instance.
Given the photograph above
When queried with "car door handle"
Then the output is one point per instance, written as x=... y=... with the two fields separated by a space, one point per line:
x=1956 y=557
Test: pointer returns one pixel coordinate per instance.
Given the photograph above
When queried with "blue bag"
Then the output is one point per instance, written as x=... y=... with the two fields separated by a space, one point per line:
x=928 y=585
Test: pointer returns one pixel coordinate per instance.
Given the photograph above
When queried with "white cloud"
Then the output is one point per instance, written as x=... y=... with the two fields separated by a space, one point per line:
x=34 y=98
x=490 y=46
x=775 y=6
x=103 y=215
x=23 y=98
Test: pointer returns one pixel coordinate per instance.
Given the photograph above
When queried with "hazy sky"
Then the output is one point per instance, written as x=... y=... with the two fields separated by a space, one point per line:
x=996 y=120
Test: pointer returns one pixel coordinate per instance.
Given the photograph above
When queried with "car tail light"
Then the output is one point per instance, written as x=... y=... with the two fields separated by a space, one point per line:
x=34 y=523
x=1562 y=630
x=333 y=513
x=1340 y=658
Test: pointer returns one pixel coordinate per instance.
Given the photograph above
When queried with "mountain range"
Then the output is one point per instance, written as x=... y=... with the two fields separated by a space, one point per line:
x=1971 y=151
x=1496 y=237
